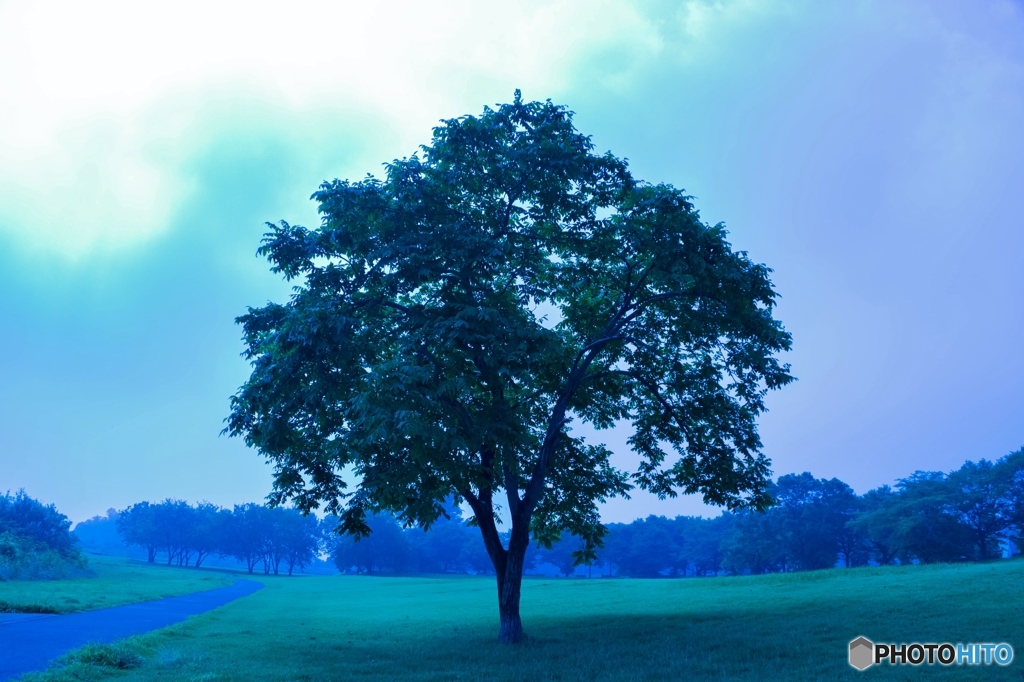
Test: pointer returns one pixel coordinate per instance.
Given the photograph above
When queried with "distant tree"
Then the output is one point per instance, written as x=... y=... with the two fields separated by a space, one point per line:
x=756 y=544
x=443 y=547
x=302 y=540
x=643 y=549
x=207 y=531
x=1011 y=469
x=99 y=534
x=564 y=554
x=879 y=524
x=614 y=551
x=840 y=507
x=810 y=540
x=137 y=526
x=291 y=538
x=658 y=547
x=384 y=549
x=479 y=562
x=929 y=530
x=704 y=541
x=35 y=540
x=245 y=536
x=451 y=321
x=175 y=523
x=447 y=546
x=41 y=523
x=979 y=499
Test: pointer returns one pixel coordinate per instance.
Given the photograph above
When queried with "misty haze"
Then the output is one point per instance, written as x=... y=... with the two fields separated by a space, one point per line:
x=534 y=341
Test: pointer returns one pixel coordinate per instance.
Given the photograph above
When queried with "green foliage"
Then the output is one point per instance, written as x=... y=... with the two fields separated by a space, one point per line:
x=756 y=545
x=980 y=499
x=35 y=541
x=813 y=515
x=93 y=662
x=879 y=525
x=117 y=655
x=1011 y=469
x=966 y=515
x=807 y=529
x=21 y=558
x=452 y=320
x=956 y=517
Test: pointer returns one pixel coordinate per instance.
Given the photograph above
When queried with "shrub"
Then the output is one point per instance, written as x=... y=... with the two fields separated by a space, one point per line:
x=118 y=655
x=35 y=541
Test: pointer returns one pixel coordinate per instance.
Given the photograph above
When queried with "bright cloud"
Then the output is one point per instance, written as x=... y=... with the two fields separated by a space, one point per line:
x=102 y=104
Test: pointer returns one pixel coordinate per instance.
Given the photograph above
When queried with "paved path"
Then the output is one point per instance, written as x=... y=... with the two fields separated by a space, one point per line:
x=31 y=641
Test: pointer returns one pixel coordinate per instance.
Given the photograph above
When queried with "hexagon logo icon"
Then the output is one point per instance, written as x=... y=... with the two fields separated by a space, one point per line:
x=862 y=653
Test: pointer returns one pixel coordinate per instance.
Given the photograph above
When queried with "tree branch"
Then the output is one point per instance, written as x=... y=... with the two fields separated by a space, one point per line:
x=484 y=513
x=511 y=489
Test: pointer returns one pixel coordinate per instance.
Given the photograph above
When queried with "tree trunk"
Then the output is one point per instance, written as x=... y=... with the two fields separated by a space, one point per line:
x=511 y=628
x=510 y=583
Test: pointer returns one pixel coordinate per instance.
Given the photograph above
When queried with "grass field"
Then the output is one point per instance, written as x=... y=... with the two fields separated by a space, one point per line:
x=115 y=581
x=785 y=627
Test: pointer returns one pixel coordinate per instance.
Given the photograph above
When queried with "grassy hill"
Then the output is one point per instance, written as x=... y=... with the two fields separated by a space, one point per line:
x=785 y=627
x=112 y=581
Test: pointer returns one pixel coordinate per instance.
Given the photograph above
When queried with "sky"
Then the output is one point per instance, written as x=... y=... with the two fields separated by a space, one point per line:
x=871 y=153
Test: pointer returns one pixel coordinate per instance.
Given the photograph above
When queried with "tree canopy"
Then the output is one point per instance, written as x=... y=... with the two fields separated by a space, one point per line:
x=35 y=540
x=452 y=320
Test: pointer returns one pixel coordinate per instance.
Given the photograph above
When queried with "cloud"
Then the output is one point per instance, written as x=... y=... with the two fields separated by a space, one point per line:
x=103 y=105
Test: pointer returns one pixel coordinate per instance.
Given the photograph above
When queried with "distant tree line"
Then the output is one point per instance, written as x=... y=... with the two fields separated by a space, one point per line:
x=975 y=513
x=273 y=539
x=972 y=514
x=281 y=540
x=35 y=541
x=449 y=546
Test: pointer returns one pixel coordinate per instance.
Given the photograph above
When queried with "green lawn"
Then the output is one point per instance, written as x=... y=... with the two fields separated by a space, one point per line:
x=785 y=627
x=115 y=581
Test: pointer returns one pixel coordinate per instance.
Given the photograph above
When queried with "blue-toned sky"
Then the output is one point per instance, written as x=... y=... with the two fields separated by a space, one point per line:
x=872 y=153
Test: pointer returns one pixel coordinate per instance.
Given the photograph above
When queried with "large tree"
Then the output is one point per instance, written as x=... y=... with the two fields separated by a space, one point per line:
x=453 y=319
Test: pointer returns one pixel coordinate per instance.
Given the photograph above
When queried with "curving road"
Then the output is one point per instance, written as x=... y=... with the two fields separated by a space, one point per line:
x=31 y=641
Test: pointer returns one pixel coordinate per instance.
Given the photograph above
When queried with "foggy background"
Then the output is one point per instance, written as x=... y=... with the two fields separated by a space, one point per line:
x=871 y=153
